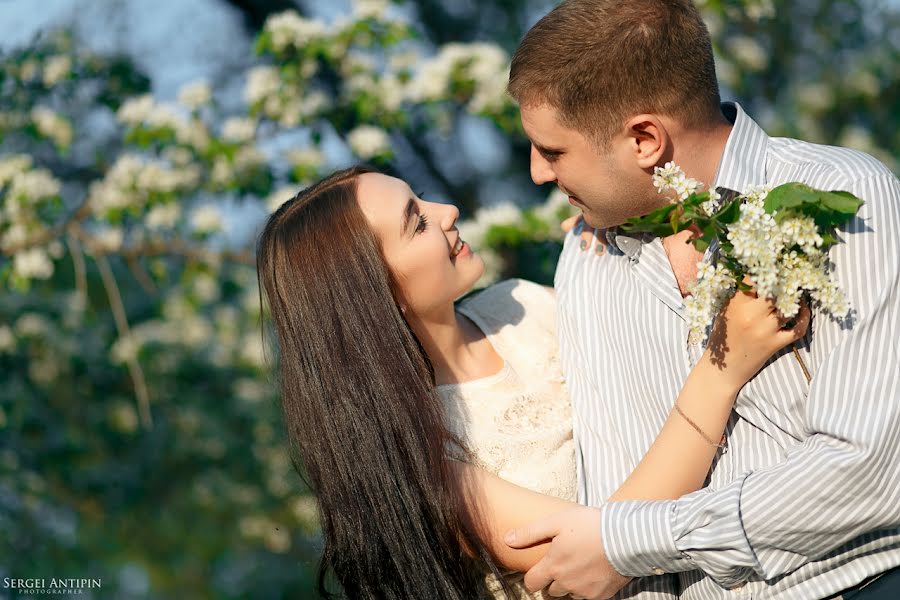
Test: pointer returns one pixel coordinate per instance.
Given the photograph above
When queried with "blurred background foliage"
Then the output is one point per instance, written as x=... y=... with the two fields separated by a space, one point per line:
x=139 y=434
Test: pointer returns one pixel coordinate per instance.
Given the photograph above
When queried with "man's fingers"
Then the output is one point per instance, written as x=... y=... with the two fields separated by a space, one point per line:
x=531 y=534
x=538 y=577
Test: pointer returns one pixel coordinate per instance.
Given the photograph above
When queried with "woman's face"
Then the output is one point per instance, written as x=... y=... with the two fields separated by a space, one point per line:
x=431 y=264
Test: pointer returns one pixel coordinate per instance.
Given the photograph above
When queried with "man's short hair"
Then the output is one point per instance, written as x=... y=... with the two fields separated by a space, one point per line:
x=600 y=62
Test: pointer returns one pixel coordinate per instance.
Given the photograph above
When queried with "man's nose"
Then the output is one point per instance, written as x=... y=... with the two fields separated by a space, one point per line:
x=541 y=171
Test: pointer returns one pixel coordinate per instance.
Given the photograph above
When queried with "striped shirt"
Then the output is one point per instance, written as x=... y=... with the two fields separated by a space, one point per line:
x=806 y=500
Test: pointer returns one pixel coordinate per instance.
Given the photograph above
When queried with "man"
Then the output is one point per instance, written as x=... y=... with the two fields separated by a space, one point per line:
x=805 y=502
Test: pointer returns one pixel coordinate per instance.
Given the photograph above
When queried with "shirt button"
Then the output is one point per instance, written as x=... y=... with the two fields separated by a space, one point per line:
x=658 y=571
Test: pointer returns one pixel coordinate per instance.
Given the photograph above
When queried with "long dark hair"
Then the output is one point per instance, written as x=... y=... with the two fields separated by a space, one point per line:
x=360 y=407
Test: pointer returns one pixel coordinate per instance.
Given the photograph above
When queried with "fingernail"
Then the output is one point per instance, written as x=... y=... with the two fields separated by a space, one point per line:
x=599 y=249
x=583 y=245
x=510 y=537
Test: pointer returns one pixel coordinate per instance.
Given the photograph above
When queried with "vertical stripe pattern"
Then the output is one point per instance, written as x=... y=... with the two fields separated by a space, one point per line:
x=806 y=501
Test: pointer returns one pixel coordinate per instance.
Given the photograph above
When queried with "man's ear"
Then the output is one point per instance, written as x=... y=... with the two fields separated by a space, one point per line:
x=649 y=140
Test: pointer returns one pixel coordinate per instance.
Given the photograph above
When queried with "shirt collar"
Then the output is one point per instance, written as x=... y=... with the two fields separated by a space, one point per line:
x=743 y=163
x=742 y=167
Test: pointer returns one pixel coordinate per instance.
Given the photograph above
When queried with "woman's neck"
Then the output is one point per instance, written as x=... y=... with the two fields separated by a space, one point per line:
x=458 y=349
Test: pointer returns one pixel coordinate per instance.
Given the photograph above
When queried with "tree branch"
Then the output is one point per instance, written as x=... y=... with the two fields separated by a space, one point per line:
x=134 y=367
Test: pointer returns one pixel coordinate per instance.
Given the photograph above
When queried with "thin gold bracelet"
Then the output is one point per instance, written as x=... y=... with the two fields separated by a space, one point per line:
x=696 y=427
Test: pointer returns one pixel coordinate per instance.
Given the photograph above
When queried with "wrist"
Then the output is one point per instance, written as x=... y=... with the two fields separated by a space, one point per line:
x=637 y=538
x=719 y=372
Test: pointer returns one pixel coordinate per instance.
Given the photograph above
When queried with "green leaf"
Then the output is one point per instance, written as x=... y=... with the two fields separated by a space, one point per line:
x=673 y=221
x=729 y=213
x=790 y=195
x=651 y=221
x=701 y=244
x=842 y=202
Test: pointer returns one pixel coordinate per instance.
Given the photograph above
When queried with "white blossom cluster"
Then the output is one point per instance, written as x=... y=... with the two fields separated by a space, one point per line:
x=403 y=77
x=288 y=29
x=370 y=9
x=207 y=219
x=289 y=105
x=246 y=161
x=239 y=129
x=24 y=191
x=748 y=52
x=56 y=68
x=307 y=157
x=195 y=94
x=52 y=126
x=549 y=212
x=135 y=180
x=713 y=287
x=474 y=231
x=487 y=65
x=144 y=112
x=280 y=196
x=783 y=259
x=368 y=141
x=33 y=263
x=108 y=239
x=670 y=177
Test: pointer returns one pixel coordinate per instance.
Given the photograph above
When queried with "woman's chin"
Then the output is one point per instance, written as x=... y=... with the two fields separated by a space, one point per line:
x=477 y=269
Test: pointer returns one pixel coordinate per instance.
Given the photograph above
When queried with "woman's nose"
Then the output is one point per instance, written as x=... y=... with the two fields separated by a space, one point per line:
x=451 y=215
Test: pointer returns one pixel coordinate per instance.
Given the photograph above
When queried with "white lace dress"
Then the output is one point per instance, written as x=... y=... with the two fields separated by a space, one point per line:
x=517 y=423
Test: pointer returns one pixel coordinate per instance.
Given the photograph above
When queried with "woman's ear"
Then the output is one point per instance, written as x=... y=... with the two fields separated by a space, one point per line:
x=650 y=141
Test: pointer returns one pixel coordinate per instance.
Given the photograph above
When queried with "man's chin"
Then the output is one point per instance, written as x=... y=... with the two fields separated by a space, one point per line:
x=591 y=220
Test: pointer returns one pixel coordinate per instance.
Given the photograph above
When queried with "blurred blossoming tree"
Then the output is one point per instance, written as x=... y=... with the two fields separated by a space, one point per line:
x=139 y=430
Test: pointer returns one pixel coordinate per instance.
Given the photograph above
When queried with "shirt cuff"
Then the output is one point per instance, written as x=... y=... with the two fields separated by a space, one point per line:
x=638 y=540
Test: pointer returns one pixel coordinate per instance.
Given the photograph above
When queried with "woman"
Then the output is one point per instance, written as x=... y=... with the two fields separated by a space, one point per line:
x=403 y=409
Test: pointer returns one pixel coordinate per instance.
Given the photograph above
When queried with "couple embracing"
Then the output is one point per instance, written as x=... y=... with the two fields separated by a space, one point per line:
x=572 y=442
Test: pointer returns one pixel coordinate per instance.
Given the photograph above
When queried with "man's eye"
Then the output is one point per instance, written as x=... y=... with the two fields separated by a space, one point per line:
x=423 y=224
x=551 y=156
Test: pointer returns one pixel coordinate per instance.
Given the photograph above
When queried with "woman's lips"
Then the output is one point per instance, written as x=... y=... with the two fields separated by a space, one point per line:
x=459 y=248
x=463 y=251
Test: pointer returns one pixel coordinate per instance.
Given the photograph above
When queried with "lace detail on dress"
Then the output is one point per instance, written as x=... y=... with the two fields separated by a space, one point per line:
x=517 y=423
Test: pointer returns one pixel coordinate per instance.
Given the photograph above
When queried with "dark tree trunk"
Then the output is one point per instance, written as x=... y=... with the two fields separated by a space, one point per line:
x=256 y=11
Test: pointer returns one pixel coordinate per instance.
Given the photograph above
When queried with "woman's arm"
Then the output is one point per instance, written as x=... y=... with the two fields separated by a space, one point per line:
x=744 y=337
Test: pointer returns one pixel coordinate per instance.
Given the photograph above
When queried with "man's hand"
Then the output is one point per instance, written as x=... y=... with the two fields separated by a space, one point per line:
x=575 y=563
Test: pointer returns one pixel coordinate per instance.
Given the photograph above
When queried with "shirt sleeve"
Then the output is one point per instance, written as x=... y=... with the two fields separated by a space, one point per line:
x=841 y=482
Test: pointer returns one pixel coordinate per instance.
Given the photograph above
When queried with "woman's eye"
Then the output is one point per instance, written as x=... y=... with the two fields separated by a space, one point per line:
x=423 y=224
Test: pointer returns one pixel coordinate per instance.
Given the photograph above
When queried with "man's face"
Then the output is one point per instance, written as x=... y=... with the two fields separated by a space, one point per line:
x=608 y=186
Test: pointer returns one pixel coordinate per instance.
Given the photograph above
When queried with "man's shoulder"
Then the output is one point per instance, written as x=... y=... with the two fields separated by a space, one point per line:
x=831 y=165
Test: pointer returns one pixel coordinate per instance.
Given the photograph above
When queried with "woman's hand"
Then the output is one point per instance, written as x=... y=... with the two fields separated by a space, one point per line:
x=747 y=332
x=587 y=232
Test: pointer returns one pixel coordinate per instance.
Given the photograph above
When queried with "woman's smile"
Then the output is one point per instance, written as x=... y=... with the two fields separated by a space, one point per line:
x=460 y=248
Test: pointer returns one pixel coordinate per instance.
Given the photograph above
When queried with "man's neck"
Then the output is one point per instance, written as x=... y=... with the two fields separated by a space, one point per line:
x=698 y=153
